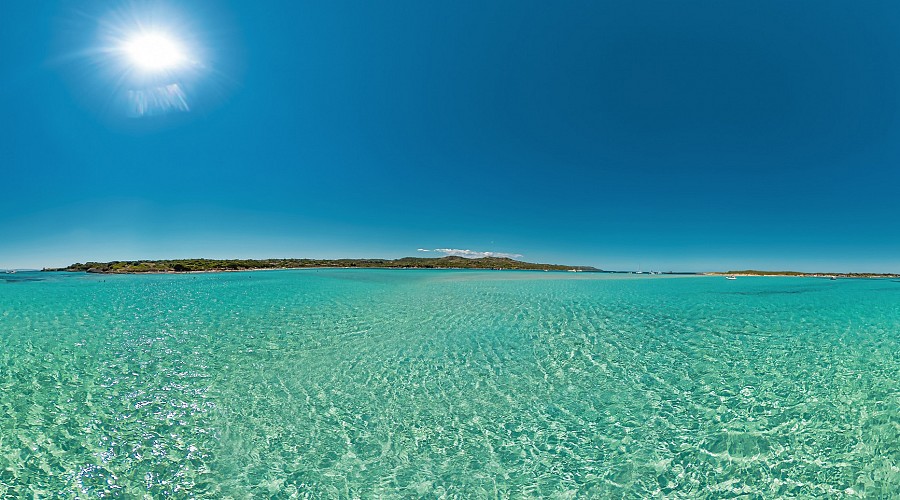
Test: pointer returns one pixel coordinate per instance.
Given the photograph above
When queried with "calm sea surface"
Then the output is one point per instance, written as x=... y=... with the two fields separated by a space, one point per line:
x=345 y=383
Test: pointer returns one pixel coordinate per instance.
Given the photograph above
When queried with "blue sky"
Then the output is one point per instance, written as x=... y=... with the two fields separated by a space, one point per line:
x=666 y=135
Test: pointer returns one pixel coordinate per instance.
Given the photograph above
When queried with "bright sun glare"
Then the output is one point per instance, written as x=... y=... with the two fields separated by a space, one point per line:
x=153 y=60
x=154 y=52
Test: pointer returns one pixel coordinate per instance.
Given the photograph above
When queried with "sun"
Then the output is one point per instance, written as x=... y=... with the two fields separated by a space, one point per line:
x=154 y=52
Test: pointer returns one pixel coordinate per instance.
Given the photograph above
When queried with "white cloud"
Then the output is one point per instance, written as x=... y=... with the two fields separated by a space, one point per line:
x=471 y=254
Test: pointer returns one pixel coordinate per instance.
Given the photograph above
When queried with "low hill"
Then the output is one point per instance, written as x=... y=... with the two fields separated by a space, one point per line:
x=211 y=265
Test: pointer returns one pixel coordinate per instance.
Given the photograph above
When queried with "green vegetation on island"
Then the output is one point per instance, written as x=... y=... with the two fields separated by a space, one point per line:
x=212 y=265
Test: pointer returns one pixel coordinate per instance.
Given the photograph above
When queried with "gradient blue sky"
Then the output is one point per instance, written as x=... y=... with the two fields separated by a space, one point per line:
x=668 y=135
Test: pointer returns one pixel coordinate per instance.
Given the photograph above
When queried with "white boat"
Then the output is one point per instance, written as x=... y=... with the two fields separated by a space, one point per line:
x=732 y=277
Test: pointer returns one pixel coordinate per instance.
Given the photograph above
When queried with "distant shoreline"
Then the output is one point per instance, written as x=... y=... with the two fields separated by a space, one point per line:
x=310 y=268
x=187 y=266
x=201 y=266
x=797 y=274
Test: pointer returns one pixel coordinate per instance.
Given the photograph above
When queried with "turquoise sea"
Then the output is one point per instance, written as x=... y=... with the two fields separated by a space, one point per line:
x=461 y=384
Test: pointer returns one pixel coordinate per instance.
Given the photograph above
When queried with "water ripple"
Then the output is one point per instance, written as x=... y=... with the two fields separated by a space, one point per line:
x=350 y=383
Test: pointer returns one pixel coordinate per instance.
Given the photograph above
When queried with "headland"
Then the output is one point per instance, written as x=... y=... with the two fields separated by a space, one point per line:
x=218 y=265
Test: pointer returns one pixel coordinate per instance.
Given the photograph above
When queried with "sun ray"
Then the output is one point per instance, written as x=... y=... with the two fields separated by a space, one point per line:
x=144 y=60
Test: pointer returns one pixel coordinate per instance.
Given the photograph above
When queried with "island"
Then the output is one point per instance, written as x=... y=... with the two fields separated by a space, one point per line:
x=217 y=265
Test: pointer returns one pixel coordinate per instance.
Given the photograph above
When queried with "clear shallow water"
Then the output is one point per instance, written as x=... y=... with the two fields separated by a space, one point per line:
x=343 y=383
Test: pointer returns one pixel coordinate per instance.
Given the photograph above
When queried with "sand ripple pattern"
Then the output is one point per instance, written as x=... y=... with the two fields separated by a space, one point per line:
x=460 y=384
